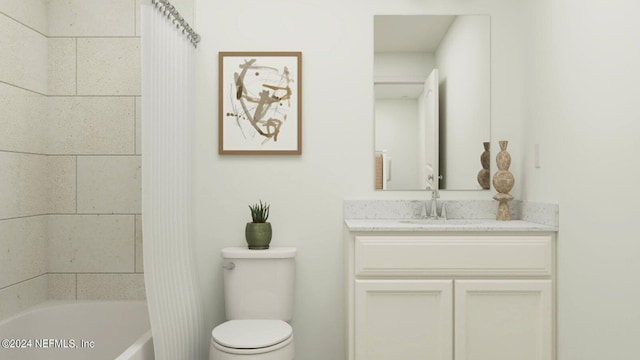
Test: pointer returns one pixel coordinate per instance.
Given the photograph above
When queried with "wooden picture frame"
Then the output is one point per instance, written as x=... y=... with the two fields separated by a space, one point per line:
x=259 y=103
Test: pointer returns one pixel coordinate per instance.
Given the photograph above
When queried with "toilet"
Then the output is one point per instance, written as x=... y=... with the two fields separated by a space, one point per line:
x=258 y=295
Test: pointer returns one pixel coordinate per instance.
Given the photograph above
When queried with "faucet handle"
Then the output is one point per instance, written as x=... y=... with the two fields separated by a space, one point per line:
x=435 y=194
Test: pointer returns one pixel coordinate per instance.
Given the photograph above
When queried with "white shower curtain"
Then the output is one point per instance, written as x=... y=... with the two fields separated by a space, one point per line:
x=170 y=270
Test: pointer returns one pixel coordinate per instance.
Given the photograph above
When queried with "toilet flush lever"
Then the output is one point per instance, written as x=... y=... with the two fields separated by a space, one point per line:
x=229 y=266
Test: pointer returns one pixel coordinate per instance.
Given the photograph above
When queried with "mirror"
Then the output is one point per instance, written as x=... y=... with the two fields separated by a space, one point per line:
x=432 y=101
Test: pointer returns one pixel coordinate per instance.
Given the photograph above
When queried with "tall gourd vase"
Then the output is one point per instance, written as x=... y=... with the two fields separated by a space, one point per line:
x=484 y=175
x=503 y=182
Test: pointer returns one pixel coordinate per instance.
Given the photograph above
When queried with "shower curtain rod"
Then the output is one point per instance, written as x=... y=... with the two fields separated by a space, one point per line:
x=170 y=12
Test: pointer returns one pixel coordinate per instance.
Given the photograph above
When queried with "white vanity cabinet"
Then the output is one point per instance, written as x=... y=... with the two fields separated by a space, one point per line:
x=441 y=296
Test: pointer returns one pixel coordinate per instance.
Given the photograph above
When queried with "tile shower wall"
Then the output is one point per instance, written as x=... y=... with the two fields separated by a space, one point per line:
x=94 y=86
x=70 y=152
x=24 y=165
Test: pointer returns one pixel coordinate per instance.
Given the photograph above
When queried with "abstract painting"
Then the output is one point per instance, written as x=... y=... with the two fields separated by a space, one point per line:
x=259 y=103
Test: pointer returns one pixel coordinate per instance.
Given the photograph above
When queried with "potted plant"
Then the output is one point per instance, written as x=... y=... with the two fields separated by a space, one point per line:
x=258 y=232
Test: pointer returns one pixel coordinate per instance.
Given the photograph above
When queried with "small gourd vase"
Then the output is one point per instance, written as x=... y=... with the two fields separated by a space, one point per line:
x=484 y=175
x=503 y=182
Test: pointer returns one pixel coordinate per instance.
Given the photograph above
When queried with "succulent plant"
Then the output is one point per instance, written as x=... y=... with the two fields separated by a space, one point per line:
x=259 y=212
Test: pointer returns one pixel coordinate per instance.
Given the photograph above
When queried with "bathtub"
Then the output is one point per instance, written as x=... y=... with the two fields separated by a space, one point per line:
x=97 y=330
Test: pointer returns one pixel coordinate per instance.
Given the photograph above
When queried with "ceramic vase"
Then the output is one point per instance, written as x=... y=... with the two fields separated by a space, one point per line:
x=258 y=235
x=484 y=176
x=503 y=182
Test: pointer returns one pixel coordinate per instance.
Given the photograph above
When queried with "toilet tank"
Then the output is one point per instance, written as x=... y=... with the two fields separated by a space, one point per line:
x=259 y=284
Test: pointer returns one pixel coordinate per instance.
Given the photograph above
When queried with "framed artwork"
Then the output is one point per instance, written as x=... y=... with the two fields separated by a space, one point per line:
x=259 y=103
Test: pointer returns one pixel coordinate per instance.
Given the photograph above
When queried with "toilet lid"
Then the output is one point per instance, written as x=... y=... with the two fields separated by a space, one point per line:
x=251 y=334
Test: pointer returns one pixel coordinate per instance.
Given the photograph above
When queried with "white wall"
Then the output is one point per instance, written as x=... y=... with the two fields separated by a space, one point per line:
x=463 y=60
x=396 y=129
x=583 y=111
x=306 y=191
x=412 y=68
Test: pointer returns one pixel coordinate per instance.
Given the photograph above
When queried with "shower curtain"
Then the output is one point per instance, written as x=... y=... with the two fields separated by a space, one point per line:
x=169 y=254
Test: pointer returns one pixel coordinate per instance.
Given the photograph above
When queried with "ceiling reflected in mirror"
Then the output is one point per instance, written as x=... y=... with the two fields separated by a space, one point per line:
x=410 y=33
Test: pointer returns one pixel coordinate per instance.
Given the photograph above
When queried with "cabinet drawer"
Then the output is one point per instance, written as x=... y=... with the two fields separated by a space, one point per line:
x=453 y=255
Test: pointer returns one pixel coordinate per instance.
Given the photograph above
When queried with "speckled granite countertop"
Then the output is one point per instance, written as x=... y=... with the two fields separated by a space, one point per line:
x=461 y=225
x=465 y=216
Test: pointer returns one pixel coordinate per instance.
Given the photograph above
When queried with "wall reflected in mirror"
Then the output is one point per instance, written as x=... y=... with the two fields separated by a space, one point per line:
x=413 y=151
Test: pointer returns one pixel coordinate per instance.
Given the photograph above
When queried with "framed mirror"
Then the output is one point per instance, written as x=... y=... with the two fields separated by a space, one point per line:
x=432 y=101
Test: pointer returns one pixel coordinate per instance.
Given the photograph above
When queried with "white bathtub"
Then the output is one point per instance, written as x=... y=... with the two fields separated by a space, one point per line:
x=97 y=330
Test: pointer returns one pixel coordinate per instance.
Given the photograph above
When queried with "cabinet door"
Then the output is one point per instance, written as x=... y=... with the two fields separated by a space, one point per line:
x=403 y=319
x=503 y=320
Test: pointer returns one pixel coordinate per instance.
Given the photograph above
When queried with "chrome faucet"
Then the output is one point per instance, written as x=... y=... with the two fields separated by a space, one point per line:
x=433 y=212
x=434 y=204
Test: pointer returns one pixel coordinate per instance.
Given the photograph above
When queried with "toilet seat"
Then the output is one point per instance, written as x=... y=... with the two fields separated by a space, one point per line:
x=251 y=336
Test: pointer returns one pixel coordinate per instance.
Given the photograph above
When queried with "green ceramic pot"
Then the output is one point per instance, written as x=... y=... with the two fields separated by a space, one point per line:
x=258 y=235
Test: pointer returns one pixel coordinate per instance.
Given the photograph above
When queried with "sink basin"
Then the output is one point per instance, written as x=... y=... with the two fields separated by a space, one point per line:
x=443 y=221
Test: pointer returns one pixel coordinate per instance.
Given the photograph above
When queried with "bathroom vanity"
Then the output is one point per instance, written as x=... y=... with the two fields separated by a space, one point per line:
x=455 y=289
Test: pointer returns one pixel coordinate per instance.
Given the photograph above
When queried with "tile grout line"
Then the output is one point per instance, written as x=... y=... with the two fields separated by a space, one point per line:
x=89 y=155
x=22 y=152
x=135 y=123
x=90 y=273
x=135 y=23
x=23 y=88
x=93 y=37
x=23 y=24
x=62 y=154
x=71 y=36
x=70 y=214
x=76 y=155
x=76 y=158
x=22 y=281
x=126 y=96
x=134 y=243
x=72 y=95
x=24 y=217
x=76 y=72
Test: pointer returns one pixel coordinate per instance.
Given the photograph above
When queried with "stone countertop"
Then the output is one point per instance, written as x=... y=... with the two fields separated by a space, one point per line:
x=451 y=225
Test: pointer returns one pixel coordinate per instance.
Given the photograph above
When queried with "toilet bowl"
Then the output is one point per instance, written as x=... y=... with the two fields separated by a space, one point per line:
x=258 y=289
x=252 y=339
